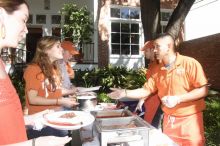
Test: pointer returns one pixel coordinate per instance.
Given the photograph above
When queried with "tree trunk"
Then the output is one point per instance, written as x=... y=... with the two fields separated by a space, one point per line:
x=178 y=16
x=150 y=16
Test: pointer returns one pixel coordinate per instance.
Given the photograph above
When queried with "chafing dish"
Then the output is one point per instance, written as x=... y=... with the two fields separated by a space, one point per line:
x=112 y=113
x=131 y=129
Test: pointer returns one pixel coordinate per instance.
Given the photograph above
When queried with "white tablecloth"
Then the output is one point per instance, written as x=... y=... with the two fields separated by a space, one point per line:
x=156 y=138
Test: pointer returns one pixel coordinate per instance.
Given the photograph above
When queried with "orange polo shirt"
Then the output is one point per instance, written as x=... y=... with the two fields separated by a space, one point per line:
x=35 y=80
x=185 y=75
x=70 y=70
x=152 y=103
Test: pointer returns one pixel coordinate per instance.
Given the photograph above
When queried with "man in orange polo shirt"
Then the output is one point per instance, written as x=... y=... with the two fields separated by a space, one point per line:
x=181 y=86
x=153 y=113
x=67 y=71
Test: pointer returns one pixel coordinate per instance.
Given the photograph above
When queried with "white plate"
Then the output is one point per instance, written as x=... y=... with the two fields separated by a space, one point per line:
x=81 y=116
x=108 y=105
x=86 y=97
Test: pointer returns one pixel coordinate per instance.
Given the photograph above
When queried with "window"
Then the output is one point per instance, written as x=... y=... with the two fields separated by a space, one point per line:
x=55 y=19
x=165 y=16
x=41 y=19
x=125 y=31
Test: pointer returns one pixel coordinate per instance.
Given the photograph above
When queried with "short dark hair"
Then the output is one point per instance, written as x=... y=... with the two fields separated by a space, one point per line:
x=163 y=35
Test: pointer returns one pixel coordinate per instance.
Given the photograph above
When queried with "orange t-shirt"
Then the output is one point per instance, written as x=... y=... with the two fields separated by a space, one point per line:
x=12 y=128
x=152 y=103
x=186 y=75
x=70 y=70
x=35 y=80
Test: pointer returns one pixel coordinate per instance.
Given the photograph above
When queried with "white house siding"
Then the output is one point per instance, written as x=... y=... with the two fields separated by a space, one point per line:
x=37 y=8
x=203 y=19
x=130 y=61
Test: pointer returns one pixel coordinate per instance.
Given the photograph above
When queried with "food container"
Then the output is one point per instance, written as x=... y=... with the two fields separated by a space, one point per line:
x=125 y=130
x=112 y=113
x=87 y=100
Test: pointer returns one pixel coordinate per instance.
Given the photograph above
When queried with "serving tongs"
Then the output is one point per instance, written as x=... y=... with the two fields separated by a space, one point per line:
x=124 y=111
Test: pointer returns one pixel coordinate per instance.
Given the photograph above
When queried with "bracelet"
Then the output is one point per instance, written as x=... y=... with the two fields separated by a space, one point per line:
x=33 y=141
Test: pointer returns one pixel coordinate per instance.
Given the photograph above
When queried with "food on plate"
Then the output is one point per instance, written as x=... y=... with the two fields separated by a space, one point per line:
x=64 y=119
x=68 y=120
x=68 y=115
x=64 y=123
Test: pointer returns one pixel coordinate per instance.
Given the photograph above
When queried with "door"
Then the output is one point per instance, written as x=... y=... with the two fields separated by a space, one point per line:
x=34 y=34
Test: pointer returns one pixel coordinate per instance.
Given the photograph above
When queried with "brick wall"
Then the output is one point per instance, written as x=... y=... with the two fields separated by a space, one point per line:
x=207 y=51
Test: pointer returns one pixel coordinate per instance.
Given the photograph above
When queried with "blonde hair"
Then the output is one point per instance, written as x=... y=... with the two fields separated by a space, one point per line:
x=49 y=69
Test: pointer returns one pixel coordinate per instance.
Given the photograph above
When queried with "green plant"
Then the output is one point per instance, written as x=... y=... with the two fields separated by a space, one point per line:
x=103 y=97
x=77 y=24
x=110 y=77
x=212 y=119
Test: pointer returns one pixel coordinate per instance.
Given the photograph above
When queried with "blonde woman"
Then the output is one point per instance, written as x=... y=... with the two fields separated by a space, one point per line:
x=43 y=83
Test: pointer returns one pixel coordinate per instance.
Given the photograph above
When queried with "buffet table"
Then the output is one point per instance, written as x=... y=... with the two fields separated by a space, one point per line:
x=112 y=127
x=156 y=138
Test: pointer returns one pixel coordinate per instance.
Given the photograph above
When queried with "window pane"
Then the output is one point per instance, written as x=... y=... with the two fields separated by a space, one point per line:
x=134 y=28
x=125 y=38
x=165 y=16
x=115 y=27
x=115 y=37
x=41 y=19
x=115 y=49
x=125 y=49
x=55 y=19
x=125 y=13
x=135 y=38
x=134 y=14
x=125 y=27
x=115 y=12
x=134 y=49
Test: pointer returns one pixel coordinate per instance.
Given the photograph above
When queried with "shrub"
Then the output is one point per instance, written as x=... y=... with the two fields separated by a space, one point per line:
x=110 y=77
x=212 y=119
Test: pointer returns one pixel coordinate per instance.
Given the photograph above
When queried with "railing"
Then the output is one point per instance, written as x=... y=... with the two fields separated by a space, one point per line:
x=87 y=53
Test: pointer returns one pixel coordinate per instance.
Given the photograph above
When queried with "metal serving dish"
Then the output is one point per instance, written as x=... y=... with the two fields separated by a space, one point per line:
x=123 y=130
x=112 y=113
x=87 y=100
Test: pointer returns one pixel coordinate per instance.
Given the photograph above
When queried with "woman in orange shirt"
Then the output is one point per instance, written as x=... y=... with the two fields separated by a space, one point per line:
x=43 y=83
x=43 y=78
x=13 y=18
